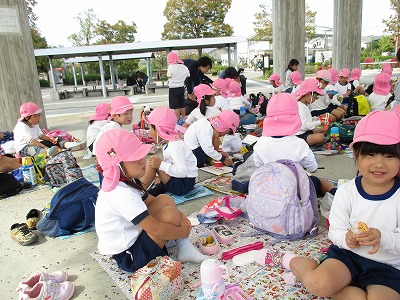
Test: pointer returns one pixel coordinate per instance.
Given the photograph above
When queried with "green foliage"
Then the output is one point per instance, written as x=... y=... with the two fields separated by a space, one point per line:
x=386 y=44
x=39 y=42
x=393 y=22
x=32 y=17
x=44 y=83
x=187 y=19
x=310 y=68
x=310 y=23
x=86 y=33
x=120 y=32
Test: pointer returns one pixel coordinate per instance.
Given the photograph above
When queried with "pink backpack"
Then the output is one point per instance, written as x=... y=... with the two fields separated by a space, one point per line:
x=62 y=134
x=282 y=201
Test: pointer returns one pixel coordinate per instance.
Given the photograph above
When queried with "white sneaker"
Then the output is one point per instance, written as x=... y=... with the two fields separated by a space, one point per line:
x=75 y=146
x=49 y=290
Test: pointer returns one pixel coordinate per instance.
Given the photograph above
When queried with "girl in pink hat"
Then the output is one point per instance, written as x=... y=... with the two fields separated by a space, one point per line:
x=221 y=94
x=363 y=261
x=381 y=92
x=121 y=110
x=355 y=81
x=295 y=77
x=96 y=122
x=276 y=83
x=307 y=94
x=177 y=73
x=206 y=98
x=132 y=225
x=235 y=97
x=176 y=172
x=203 y=137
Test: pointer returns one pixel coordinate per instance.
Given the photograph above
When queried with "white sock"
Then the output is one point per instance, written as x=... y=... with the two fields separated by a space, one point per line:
x=189 y=253
x=290 y=278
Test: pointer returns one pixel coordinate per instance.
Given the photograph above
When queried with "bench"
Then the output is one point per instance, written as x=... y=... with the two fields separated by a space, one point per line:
x=75 y=93
x=150 y=88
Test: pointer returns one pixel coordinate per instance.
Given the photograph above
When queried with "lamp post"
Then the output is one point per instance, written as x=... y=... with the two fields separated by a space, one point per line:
x=371 y=36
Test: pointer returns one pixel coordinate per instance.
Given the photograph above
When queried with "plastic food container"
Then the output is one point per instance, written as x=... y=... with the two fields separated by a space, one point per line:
x=208 y=244
x=218 y=164
x=223 y=234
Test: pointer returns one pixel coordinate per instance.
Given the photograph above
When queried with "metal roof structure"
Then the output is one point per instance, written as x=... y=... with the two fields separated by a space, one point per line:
x=107 y=57
x=140 y=47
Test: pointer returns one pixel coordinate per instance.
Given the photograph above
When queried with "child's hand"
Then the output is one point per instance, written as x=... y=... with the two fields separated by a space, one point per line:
x=53 y=140
x=228 y=161
x=372 y=237
x=351 y=240
x=154 y=162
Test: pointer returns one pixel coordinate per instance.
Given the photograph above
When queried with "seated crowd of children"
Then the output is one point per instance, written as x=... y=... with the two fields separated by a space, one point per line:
x=134 y=212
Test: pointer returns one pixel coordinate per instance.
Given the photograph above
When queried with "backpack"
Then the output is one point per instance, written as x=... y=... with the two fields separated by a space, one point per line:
x=346 y=131
x=71 y=209
x=62 y=169
x=363 y=105
x=352 y=107
x=9 y=186
x=282 y=201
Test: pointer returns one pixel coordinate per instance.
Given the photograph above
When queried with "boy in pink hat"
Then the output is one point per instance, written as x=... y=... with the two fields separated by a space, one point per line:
x=96 y=122
x=221 y=94
x=295 y=77
x=177 y=172
x=276 y=83
x=177 y=73
x=355 y=81
x=235 y=97
x=203 y=137
x=121 y=110
x=381 y=92
x=206 y=98
x=132 y=225
x=29 y=138
x=363 y=261
x=306 y=94
x=343 y=86
x=334 y=74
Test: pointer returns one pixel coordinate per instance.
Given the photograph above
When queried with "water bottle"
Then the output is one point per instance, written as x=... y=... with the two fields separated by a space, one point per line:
x=212 y=275
x=335 y=133
x=28 y=171
x=242 y=110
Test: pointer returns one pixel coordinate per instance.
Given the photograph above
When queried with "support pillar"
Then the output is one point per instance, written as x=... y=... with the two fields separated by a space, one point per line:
x=19 y=80
x=235 y=56
x=112 y=71
x=103 y=82
x=83 y=76
x=74 y=72
x=347 y=33
x=288 y=34
x=53 y=76
x=229 y=56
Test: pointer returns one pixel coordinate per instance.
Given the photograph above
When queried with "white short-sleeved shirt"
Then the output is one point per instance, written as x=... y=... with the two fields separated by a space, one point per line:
x=269 y=149
x=106 y=127
x=221 y=103
x=179 y=160
x=307 y=121
x=23 y=135
x=352 y=203
x=115 y=215
x=237 y=102
x=200 y=134
x=177 y=74
x=378 y=102
x=196 y=114
x=342 y=89
x=93 y=130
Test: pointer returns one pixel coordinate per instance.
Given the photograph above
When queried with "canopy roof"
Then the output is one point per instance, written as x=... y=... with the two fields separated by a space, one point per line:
x=106 y=57
x=139 y=47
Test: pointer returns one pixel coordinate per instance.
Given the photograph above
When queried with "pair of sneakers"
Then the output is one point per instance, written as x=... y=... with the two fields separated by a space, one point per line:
x=46 y=286
x=22 y=232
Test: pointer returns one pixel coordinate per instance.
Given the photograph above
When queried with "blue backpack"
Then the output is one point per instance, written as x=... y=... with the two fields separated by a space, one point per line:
x=282 y=201
x=71 y=209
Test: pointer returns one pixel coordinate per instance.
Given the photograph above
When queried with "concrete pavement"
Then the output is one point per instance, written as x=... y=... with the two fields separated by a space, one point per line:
x=72 y=255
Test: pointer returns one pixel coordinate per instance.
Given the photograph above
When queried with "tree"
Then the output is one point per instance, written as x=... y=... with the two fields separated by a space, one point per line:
x=188 y=19
x=40 y=42
x=386 y=44
x=86 y=34
x=393 y=23
x=120 y=32
x=263 y=24
x=31 y=15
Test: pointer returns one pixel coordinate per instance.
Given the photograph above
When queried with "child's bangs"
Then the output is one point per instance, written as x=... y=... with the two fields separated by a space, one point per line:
x=365 y=148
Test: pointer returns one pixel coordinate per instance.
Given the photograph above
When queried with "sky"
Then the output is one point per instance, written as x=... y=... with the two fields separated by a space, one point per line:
x=56 y=17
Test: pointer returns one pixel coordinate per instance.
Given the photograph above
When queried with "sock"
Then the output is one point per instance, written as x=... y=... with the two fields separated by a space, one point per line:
x=266 y=257
x=290 y=278
x=189 y=253
x=286 y=258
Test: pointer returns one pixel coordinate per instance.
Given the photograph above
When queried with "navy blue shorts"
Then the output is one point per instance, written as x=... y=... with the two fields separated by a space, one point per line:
x=364 y=271
x=201 y=157
x=305 y=135
x=317 y=185
x=179 y=186
x=139 y=254
x=318 y=112
x=176 y=97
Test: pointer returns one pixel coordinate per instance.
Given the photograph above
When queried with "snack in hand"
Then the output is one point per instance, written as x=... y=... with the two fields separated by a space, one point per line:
x=359 y=227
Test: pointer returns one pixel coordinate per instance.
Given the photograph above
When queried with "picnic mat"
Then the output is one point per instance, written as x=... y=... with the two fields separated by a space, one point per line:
x=217 y=170
x=91 y=174
x=197 y=192
x=258 y=281
x=221 y=183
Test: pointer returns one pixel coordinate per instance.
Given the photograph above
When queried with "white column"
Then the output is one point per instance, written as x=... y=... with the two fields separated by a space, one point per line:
x=235 y=56
x=229 y=56
x=74 y=72
x=83 y=76
x=347 y=33
x=112 y=75
x=53 y=76
x=103 y=82
x=288 y=34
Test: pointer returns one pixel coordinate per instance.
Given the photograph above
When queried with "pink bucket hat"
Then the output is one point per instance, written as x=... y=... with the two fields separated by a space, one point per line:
x=355 y=74
x=381 y=84
x=119 y=105
x=113 y=147
x=308 y=86
x=28 y=109
x=227 y=119
x=202 y=90
x=220 y=84
x=282 y=116
x=373 y=128
x=334 y=74
x=388 y=71
x=173 y=58
x=276 y=78
x=386 y=66
x=234 y=89
x=324 y=75
x=295 y=76
x=344 y=73
x=165 y=121
x=101 y=113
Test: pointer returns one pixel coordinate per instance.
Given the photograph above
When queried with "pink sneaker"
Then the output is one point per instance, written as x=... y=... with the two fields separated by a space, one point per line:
x=49 y=290
x=58 y=276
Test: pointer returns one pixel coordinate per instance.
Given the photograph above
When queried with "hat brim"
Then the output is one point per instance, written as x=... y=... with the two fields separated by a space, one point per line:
x=98 y=117
x=122 y=109
x=374 y=138
x=169 y=135
x=281 y=125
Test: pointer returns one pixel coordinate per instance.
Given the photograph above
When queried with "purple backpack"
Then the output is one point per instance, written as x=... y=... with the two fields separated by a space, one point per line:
x=282 y=201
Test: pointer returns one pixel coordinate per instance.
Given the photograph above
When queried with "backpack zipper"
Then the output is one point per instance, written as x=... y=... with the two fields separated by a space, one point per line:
x=65 y=196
